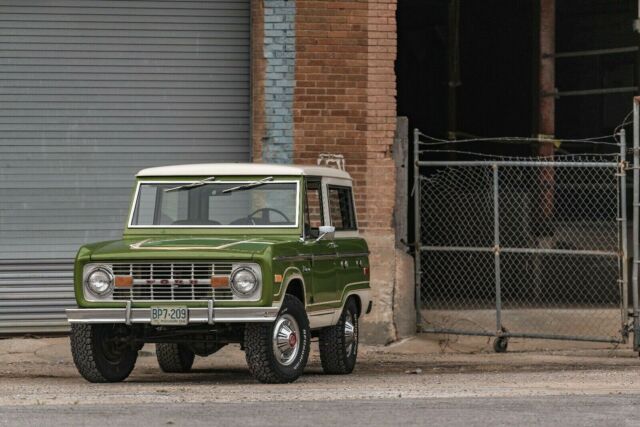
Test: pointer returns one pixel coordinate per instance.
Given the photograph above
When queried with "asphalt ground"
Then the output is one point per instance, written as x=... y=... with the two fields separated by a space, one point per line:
x=551 y=410
x=446 y=381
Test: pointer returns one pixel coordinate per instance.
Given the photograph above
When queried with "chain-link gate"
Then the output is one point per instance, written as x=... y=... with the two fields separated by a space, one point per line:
x=532 y=247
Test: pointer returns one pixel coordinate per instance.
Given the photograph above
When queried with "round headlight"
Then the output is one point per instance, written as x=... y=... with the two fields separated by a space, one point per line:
x=100 y=281
x=244 y=281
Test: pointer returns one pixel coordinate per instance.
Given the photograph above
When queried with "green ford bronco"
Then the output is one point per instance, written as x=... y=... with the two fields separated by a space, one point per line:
x=267 y=256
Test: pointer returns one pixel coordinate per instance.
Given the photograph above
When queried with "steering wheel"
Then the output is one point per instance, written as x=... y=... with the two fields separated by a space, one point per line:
x=264 y=215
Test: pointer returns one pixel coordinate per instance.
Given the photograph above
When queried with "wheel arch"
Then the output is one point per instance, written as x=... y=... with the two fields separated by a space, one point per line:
x=295 y=286
x=362 y=299
x=356 y=298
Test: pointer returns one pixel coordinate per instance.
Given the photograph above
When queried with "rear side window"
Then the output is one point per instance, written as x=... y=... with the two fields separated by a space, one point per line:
x=313 y=212
x=341 y=208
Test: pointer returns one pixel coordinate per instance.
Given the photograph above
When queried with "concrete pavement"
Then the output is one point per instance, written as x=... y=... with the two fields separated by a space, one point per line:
x=445 y=381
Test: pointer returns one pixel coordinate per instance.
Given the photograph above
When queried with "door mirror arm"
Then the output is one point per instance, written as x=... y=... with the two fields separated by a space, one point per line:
x=326 y=231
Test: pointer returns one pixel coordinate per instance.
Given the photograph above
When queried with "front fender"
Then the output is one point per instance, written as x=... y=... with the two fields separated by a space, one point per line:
x=290 y=274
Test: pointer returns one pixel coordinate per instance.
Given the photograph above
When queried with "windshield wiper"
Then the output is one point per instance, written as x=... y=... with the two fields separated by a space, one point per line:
x=249 y=185
x=192 y=185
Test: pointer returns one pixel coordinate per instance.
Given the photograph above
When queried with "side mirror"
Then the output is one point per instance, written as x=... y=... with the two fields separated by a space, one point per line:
x=326 y=231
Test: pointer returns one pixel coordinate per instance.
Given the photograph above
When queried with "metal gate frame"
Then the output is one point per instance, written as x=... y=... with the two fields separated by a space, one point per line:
x=630 y=320
x=635 y=313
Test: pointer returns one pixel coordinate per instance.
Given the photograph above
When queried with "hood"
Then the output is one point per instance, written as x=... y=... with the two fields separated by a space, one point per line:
x=229 y=247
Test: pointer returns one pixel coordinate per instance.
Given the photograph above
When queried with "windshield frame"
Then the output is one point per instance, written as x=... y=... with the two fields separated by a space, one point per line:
x=231 y=180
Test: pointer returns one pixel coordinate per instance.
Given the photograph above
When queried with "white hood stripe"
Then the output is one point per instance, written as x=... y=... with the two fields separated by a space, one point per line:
x=139 y=245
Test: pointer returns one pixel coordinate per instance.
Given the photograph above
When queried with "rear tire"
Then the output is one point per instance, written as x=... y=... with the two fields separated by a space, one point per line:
x=174 y=358
x=101 y=352
x=277 y=352
x=339 y=343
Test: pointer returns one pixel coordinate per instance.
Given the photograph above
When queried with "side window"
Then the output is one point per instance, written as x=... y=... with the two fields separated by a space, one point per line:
x=145 y=209
x=341 y=208
x=313 y=210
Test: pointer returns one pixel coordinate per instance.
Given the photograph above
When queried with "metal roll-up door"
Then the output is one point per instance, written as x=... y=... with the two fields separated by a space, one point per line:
x=90 y=92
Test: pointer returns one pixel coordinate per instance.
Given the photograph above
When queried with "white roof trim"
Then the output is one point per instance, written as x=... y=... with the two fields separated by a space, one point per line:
x=240 y=169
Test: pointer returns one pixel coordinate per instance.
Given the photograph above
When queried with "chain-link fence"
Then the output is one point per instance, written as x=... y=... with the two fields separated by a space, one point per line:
x=528 y=247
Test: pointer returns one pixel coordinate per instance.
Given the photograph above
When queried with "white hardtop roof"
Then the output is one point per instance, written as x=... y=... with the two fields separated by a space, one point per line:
x=243 y=169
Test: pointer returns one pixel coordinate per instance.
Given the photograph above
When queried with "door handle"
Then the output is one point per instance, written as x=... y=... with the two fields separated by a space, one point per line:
x=332 y=245
x=306 y=269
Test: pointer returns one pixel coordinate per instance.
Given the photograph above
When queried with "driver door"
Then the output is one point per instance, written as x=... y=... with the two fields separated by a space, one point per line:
x=323 y=267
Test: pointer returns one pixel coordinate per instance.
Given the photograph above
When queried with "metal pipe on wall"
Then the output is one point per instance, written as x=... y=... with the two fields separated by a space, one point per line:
x=547 y=75
x=454 y=67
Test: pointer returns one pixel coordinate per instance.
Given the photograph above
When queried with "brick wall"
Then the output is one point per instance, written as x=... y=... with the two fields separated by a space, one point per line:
x=345 y=95
x=344 y=103
x=336 y=58
x=258 y=64
x=380 y=113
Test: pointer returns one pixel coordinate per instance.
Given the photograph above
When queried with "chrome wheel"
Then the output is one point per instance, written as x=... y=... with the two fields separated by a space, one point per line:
x=350 y=333
x=277 y=352
x=286 y=339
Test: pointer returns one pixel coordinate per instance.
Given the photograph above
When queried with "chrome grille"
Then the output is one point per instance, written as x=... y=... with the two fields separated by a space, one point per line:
x=171 y=281
x=224 y=294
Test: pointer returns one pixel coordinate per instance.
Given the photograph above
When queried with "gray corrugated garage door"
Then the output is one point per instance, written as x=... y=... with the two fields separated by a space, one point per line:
x=90 y=92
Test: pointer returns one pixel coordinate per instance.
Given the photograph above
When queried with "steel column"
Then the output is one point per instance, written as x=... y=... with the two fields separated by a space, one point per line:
x=547 y=76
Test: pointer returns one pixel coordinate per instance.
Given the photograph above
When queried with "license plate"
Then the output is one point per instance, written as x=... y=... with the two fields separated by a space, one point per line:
x=169 y=315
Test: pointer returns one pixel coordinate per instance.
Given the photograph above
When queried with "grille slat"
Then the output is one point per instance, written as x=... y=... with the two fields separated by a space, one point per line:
x=171 y=281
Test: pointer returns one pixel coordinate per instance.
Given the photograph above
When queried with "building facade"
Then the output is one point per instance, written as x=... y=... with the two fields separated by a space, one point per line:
x=94 y=91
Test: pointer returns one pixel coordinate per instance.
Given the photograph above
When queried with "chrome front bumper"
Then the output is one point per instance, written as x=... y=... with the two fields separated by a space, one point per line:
x=209 y=315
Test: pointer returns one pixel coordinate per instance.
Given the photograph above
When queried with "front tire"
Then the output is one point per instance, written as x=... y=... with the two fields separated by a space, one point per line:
x=102 y=353
x=277 y=352
x=174 y=358
x=339 y=343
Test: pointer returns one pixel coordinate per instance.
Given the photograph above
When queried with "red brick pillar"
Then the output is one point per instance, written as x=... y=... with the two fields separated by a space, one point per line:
x=257 y=76
x=344 y=103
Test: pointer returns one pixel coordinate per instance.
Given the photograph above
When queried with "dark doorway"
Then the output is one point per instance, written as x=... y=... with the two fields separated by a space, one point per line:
x=581 y=28
x=494 y=54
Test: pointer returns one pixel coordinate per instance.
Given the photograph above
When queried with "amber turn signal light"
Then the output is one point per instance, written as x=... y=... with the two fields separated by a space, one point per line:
x=220 y=282
x=123 y=281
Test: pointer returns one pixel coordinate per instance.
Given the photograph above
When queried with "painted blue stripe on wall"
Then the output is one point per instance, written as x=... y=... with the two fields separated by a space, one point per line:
x=280 y=55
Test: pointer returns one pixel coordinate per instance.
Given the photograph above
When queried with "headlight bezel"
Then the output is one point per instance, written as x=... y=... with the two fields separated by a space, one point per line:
x=90 y=291
x=254 y=292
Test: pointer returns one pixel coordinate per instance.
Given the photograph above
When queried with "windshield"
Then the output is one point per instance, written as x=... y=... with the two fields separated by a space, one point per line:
x=220 y=204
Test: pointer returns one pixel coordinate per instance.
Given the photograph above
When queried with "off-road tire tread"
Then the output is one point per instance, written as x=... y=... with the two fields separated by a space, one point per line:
x=84 y=357
x=333 y=355
x=257 y=342
x=83 y=354
x=255 y=338
x=171 y=360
